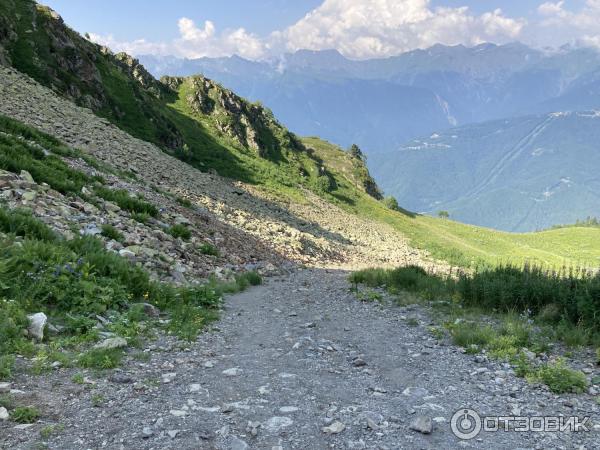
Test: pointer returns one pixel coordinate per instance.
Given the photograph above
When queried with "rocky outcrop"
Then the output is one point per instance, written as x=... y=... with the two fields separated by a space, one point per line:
x=250 y=125
x=132 y=66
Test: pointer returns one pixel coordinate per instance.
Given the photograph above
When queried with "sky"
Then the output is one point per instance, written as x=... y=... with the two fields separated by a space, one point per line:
x=359 y=29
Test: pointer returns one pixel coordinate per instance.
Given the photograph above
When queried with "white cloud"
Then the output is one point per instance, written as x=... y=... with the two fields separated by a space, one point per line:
x=193 y=42
x=560 y=25
x=357 y=28
x=375 y=28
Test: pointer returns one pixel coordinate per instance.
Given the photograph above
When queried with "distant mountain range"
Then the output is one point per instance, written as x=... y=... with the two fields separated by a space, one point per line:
x=379 y=104
x=382 y=104
x=516 y=174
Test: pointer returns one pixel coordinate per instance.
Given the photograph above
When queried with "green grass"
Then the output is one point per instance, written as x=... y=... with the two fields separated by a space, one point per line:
x=101 y=359
x=562 y=305
x=558 y=377
x=209 y=249
x=180 y=231
x=25 y=414
x=110 y=232
x=460 y=244
x=71 y=280
x=184 y=202
x=127 y=202
x=18 y=152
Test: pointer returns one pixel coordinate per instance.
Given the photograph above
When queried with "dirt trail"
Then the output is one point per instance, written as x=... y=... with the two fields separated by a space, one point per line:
x=288 y=359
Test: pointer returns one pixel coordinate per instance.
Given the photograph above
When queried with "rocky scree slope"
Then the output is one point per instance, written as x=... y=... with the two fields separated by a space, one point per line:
x=311 y=232
x=203 y=247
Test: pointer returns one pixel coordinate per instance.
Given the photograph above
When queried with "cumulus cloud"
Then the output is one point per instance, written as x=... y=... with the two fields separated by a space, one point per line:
x=577 y=27
x=375 y=28
x=193 y=42
x=357 y=28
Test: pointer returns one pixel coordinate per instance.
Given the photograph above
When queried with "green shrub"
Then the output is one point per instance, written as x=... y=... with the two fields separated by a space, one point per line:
x=560 y=378
x=391 y=203
x=101 y=358
x=209 y=249
x=141 y=217
x=324 y=183
x=110 y=232
x=17 y=155
x=25 y=414
x=180 y=231
x=470 y=336
x=20 y=222
x=7 y=363
x=127 y=202
x=184 y=202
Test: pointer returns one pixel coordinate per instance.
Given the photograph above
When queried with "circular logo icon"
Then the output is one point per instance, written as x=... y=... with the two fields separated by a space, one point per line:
x=465 y=424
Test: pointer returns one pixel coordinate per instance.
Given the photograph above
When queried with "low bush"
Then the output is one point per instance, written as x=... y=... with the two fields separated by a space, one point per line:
x=25 y=414
x=126 y=201
x=209 y=249
x=110 y=232
x=23 y=148
x=559 y=377
x=180 y=231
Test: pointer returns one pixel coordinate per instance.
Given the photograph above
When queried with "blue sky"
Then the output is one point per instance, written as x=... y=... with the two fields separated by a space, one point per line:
x=358 y=28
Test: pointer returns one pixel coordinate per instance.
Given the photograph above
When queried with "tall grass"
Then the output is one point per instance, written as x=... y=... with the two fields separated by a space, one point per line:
x=568 y=296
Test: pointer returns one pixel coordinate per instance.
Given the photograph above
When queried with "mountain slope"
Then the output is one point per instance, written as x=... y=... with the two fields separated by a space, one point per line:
x=517 y=174
x=307 y=199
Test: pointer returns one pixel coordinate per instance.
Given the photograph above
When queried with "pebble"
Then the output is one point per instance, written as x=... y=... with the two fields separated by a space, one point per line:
x=168 y=377
x=233 y=372
x=147 y=432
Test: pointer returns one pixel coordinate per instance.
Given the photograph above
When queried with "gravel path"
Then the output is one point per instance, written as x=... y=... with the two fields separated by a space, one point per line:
x=289 y=358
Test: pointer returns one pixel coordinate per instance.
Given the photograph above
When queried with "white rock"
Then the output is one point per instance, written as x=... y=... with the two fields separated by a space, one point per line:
x=168 y=377
x=334 y=428
x=422 y=424
x=233 y=372
x=178 y=413
x=112 y=343
x=4 y=388
x=173 y=433
x=3 y=413
x=37 y=322
x=274 y=424
x=288 y=409
x=264 y=390
x=195 y=387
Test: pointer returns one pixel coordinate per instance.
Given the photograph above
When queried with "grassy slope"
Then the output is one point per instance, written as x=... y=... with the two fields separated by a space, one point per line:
x=459 y=243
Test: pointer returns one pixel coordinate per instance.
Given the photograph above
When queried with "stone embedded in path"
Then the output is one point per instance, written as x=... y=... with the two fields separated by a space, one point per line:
x=168 y=377
x=334 y=428
x=422 y=424
x=275 y=424
x=3 y=413
x=288 y=409
x=233 y=372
